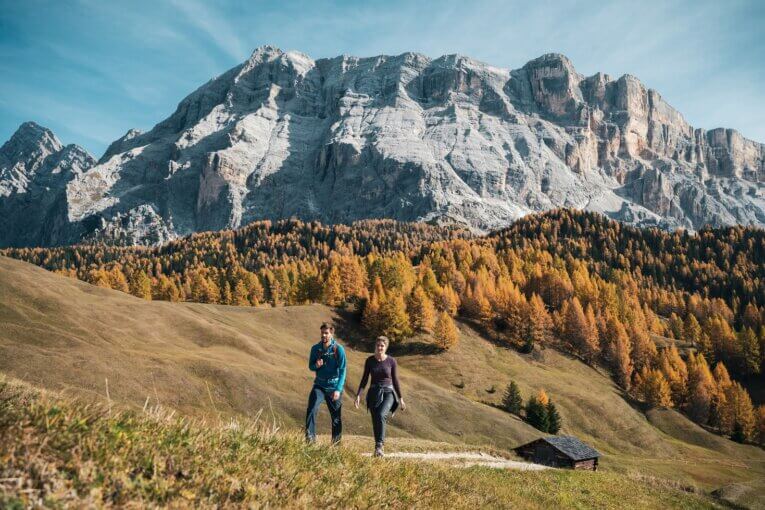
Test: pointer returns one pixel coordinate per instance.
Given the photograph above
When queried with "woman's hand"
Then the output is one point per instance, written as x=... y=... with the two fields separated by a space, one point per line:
x=403 y=404
x=357 y=401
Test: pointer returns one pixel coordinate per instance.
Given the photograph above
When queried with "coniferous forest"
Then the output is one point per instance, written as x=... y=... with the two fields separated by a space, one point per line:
x=677 y=318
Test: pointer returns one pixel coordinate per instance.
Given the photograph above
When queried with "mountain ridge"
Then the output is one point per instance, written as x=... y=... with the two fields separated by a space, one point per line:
x=409 y=138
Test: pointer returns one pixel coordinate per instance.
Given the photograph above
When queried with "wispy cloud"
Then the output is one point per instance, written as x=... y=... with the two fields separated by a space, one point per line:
x=104 y=67
x=73 y=123
x=215 y=26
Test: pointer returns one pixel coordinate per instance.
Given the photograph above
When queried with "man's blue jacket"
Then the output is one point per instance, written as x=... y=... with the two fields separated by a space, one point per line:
x=331 y=375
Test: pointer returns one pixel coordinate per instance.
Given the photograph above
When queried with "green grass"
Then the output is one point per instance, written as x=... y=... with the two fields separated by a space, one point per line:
x=56 y=453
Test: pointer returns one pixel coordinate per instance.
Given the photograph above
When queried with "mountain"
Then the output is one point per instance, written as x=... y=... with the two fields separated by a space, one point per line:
x=409 y=138
x=35 y=169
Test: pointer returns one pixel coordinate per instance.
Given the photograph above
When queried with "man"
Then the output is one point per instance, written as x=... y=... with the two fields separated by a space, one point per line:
x=327 y=359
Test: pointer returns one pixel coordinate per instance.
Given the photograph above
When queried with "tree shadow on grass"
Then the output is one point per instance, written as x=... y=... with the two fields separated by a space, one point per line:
x=413 y=348
x=349 y=330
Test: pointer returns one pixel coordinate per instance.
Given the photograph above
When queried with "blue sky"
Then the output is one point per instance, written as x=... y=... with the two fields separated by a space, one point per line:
x=90 y=70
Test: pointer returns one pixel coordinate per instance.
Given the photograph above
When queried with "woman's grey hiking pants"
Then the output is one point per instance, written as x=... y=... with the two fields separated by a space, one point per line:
x=380 y=413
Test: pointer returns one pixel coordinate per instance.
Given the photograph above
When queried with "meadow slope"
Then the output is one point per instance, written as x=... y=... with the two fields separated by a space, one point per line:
x=56 y=452
x=209 y=360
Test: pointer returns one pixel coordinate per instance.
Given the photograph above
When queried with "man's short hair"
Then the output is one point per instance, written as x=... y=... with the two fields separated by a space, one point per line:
x=327 y=325
x=383 y=339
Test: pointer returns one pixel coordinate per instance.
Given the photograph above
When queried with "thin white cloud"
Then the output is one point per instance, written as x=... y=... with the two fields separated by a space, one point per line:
x=216 y=27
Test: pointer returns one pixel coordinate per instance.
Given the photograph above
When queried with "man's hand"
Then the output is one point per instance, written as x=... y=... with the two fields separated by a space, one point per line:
x=357 y=401
x=336 y=395
x=403 y=405
x=319 y=363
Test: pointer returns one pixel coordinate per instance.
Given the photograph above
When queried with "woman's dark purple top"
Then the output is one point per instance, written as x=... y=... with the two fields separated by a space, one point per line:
x=383 y=373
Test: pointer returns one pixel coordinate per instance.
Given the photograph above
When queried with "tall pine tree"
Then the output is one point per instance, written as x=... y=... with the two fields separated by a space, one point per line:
x=512 y=401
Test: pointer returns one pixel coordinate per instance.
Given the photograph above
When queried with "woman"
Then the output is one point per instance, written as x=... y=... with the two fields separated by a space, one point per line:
x=384 y=393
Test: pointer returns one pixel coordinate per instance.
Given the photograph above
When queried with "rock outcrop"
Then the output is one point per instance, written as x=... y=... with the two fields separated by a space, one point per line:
x=35 y=169
x=403 y=137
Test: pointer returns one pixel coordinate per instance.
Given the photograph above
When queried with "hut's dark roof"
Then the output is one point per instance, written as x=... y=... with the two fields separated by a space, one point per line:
x=571 y=447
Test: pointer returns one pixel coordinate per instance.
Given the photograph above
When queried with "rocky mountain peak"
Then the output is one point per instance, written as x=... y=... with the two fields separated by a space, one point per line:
x=554 y=83
x=551 y=60
x=264 y=53
x=121 y=144
x=30 y=141
x=403 y=137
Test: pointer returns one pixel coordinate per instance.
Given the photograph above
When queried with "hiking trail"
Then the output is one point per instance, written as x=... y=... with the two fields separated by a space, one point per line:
x=466 y=459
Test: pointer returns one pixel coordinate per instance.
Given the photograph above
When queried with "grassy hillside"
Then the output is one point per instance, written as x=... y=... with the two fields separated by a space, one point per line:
x=55 y=452
x=594 y=409
x=209 y=360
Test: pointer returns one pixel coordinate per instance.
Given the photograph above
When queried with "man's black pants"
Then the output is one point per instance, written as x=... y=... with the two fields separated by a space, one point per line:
x=335 y=407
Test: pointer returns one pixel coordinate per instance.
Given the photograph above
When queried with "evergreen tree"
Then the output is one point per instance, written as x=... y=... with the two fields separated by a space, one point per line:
x=475 y=304
x=589 y=341
x=701 y=389
x=644 y=350
x=117 y=280
x=99 y=278
x=353 y=278
x=676 y=326
x=430 y=283
x=447 y=301
x=721 y=417
x=749 y=353
x=738 y=433
x=212 y=292
x=760 y=431
x=512 y=312
x=422 y=314
x=370 y=318
x=579 y=329
x=536 y=414
x=721 y=375
x=226 y=297
x=723 y=338
x=539 y=320
x=140 y=285
x=394 y=321
x=512 y=401
x=333 y=291
x=553 y=417
x=255 y=291
x=166 y=290
x=445 y=332
x=751 y=318
x=692 y=330
x=675 y=372
x=652 y=388
x=619 y=352
x=240 y=297
x=738 y=413
x=705 y=347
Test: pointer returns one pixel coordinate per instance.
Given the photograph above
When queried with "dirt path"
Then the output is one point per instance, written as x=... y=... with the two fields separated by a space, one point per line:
x=466 y=459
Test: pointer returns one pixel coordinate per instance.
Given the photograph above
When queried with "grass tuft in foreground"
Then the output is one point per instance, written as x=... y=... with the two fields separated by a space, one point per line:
x=57 y=452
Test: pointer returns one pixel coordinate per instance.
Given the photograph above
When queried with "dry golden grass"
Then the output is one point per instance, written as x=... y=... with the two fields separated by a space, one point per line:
x=58 y=453
x=218 y=361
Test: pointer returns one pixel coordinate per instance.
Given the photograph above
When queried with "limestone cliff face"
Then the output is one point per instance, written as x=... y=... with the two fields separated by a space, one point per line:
x=34 y=171
x=404 y=137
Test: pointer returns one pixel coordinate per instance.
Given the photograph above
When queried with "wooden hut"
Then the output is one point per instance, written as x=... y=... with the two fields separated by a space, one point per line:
x=560 y=451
